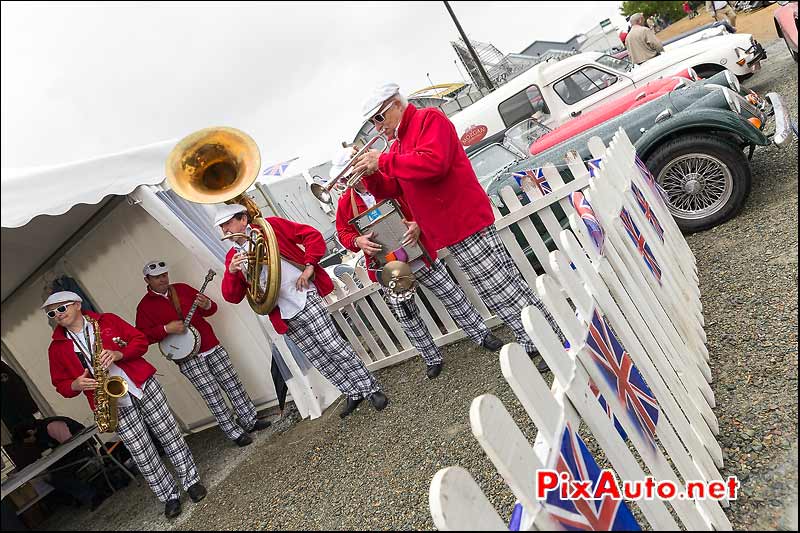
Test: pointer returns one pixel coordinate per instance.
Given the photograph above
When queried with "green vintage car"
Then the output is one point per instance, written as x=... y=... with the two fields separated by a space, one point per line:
x=692 y=139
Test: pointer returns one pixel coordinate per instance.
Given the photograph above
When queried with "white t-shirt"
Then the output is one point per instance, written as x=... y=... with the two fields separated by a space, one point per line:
x=290 y=300
x=367 y=197
x=720 y=5
x=79 y=345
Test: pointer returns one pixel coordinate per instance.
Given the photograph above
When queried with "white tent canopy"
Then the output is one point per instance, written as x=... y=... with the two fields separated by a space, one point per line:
x=75 y=191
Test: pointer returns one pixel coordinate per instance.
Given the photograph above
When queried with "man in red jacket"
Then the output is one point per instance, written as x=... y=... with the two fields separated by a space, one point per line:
x=432 y=274
x=144 y=407
x=300 y=312
x=157 y=317
x=427 y=165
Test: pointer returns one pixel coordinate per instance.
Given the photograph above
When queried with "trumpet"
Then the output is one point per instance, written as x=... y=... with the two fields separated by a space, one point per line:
x=323 y=192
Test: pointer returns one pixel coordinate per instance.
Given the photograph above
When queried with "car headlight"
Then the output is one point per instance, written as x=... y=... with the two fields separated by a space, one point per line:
x=733 y=81
x=692 y=74
x=733 y=103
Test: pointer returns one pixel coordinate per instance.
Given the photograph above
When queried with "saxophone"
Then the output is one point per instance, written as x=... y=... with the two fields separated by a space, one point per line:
x=108 y=388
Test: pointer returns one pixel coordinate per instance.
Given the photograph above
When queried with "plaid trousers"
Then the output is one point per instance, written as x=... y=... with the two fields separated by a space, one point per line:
x=438 y=281
x=492 y=272
x=212 y=374
x=152 y=411
x=312 y=329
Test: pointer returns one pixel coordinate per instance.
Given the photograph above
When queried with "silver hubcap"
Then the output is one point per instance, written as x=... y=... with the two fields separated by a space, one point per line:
x=698 y=185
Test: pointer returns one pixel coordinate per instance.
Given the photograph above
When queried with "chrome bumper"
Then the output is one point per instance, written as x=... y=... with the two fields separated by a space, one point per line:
x=783 y=132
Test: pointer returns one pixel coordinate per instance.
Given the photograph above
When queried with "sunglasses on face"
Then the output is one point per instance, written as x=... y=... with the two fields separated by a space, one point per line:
x=380 y=116
x=153 y=266
x=60 y=310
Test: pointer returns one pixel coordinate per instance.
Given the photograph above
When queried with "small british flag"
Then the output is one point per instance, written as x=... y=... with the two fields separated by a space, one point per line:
x=650 y=179
x=585 y=211
x=278 y=169
x=623 y=376
x=641 y=244
x=647 y=212
x=604 y=514
x=593 y=165
x=607 y=408
x=536 y=177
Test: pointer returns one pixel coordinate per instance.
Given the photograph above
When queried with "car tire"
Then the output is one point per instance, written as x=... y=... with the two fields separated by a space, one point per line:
x=700 y=204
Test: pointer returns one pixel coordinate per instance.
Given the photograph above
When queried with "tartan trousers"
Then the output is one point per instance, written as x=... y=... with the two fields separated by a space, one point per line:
x=438 y=281
x=313 y=331
x=212 y=374
x=492 y=272
x=152 y=411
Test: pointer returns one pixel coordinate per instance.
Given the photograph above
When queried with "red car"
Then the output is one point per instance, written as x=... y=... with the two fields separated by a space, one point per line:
x=786 y=25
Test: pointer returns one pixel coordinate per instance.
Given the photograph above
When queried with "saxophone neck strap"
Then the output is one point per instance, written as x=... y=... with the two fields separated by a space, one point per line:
x=85 y=349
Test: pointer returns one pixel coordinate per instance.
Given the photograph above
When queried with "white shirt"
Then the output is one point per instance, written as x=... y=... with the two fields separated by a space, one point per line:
x=720 y=5
x=367 y=197
x=290 y=300
x=78 y=341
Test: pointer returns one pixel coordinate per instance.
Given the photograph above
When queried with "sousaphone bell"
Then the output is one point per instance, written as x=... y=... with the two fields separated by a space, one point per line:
x=219 y=164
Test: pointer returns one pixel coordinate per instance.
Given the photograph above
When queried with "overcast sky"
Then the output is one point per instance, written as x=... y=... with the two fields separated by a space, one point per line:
x=80 y=80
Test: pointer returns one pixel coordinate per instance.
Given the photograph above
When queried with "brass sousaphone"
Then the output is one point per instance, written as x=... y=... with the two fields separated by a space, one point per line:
x=215 y=165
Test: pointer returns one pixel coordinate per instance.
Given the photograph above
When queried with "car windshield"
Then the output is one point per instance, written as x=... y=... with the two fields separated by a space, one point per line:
x=490 y=161
x=522 y=134
x=617 y=64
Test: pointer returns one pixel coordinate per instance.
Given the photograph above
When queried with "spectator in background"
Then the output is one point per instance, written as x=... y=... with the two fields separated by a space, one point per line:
x=722 y=10
x=642 y=43
x=32 y=438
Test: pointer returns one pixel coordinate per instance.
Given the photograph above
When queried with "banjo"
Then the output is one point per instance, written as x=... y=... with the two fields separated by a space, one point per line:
x=179 y=346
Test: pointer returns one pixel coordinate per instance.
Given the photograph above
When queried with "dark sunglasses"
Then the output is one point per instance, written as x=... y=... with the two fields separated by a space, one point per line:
x=60 y=309
x=379 y=116
x=152 y=266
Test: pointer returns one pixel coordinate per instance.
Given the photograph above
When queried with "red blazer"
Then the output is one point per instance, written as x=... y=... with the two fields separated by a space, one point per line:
x=290 y=236
x=428 y=166
x=348 y=233
x=154 y=312
x=65 y=365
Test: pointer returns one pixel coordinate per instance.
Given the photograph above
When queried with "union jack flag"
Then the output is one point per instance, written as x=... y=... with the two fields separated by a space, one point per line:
x=641 y=244
x=623 y=376
x=607 y=408
x=536 y=176
x=650 y=179
x=278 y=168
x=647 y=212
x=605 y=514
x=585 y=211
x=593 y=165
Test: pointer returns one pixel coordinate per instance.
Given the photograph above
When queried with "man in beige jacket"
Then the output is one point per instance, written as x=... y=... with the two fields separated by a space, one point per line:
x=641 y=42
x=722 y=10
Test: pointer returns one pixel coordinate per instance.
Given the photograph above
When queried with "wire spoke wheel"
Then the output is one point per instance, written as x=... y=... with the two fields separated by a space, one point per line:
x=697 y=185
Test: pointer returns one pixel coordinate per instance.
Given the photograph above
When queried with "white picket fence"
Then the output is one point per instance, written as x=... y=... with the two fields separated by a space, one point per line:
x=596 y=287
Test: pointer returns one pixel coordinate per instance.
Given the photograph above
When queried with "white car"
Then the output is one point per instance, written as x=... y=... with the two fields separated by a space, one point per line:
x=553 y=92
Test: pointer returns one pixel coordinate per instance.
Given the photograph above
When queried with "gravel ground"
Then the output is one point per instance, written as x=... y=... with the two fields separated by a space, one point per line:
x=373 y=470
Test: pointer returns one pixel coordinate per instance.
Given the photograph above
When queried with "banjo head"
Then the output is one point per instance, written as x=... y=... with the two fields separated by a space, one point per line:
x=180 y=346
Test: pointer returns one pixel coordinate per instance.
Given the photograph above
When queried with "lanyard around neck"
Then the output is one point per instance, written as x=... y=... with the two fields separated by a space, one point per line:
x=86 y=349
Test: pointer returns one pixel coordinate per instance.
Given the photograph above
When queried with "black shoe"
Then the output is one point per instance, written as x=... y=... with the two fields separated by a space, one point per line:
x=378 y=400
x=197 y=492
x=259 y=425
x=351 y=406
x=243 y=440
x=172 y=508
x=491 y=343
x=434 y=370
x=541 y=366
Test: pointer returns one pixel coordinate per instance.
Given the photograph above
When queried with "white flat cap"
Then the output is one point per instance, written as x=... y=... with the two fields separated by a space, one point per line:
x=225 y=212
x=378 y=96
x=340 y=160
x=156 y=267
x=61 y=296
